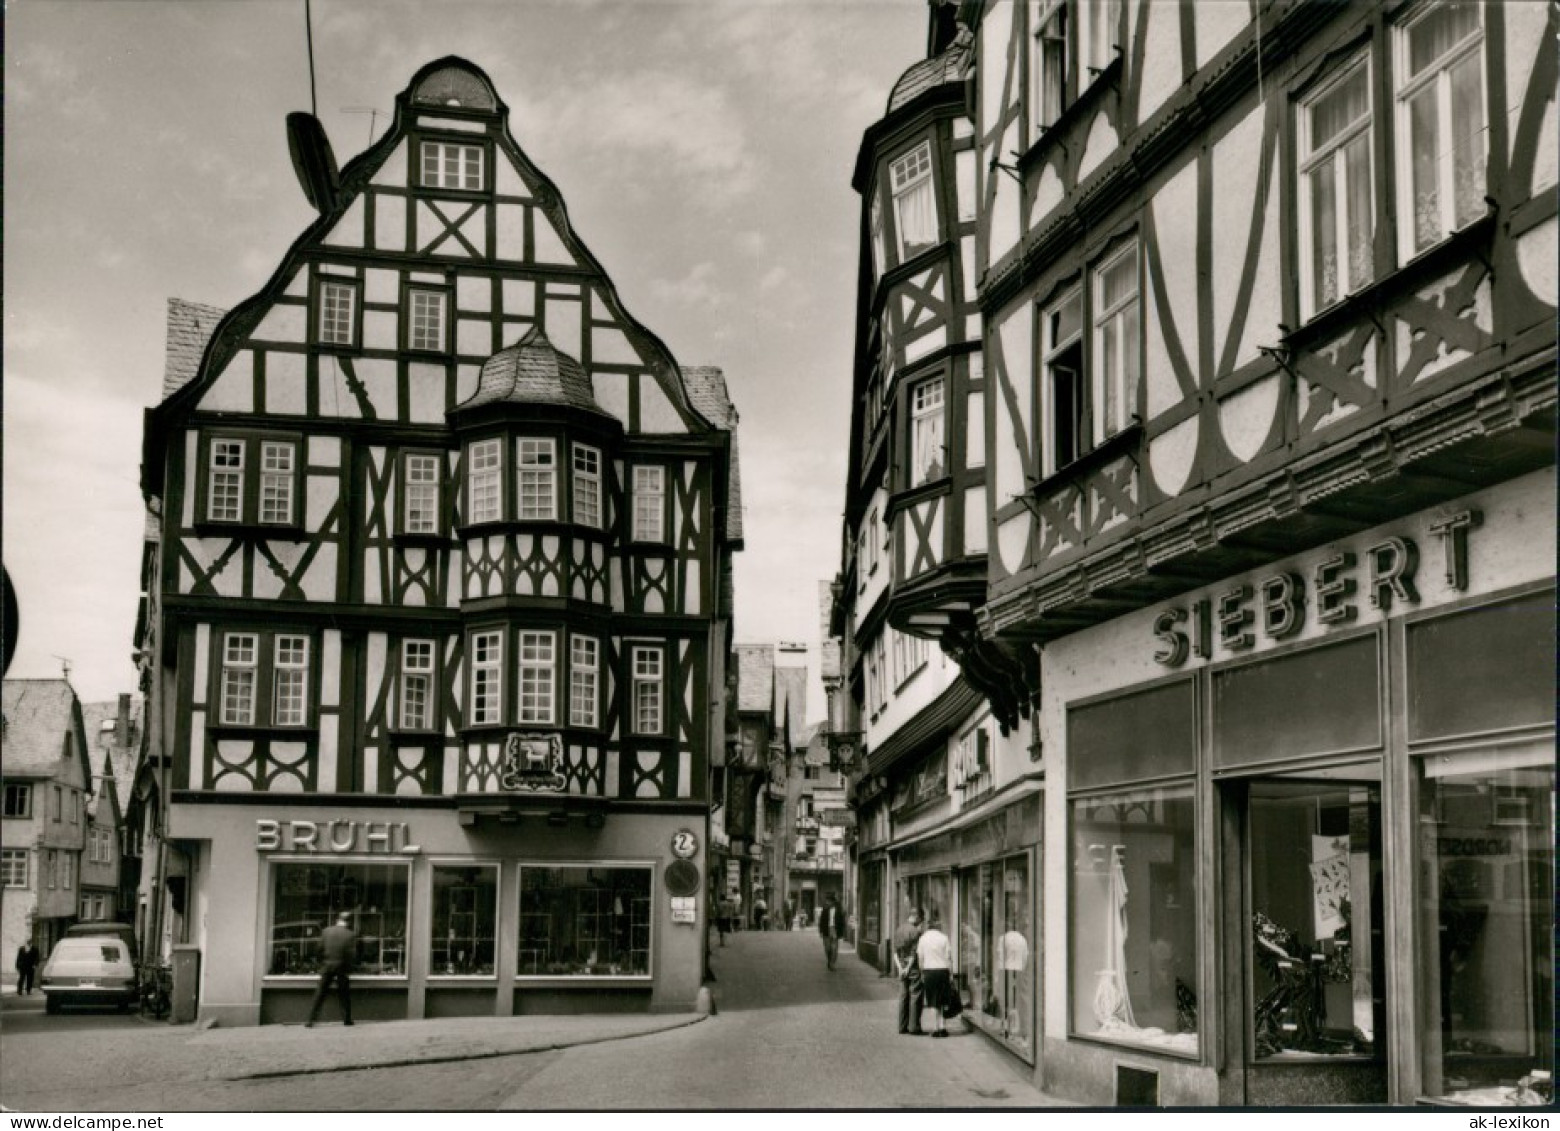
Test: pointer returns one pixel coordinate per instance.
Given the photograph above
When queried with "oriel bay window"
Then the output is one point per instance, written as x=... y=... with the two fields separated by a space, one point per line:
x=537 y=678
x=252 y=480
x=928 y=429
x=1134 y=942
x=307 y=896
x=1337 y=208
x=465 y=920
x=584 y=681
x=1440 y=134
x=485 y=683
x=915 y=201
x=587 y=485
x=421 y=484
x=584 y=921
x=265 y=679
x=537 y=488
x=485 y=481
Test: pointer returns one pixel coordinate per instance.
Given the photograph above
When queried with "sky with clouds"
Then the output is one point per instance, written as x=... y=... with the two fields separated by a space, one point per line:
x=703 y=148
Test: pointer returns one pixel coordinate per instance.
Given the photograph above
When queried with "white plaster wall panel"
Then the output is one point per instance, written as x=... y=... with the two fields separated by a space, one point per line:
x=967 y=265
x=324 y=451
x=615 y=580
x=564 y=329
x=429 y=227
x=519 y=297
x=425 y=393
x=1246 y=419
x=1235 y=183
x=349 y=230
x=962 y=128
x=451 y=770
x=975 y=431
x=286 y=382
x=610 y=346
x=938 y=512
x=379 y=329
x=473 y=293
x=975 y=520
x=475 y=337
x=372 y=757
x=656 y=413
x=233 y=752
x=684 y=773
x=329 y=757
x=373 y=593
x=390 y=222
x=1524 y=34
x=1048 y=194
x=199 y=691
x=297 y=286
x=507 y=182
x=197 y=750
x=918 y=348
x=460 y=125
x=413 y=757
x=234 y=388
x=1101 y=144
x=1546 y=158
x=1217 y=25
x=1163 y=390
x=1161 y=74
x=996 y=33
x=466 y=378
x=693 y=596
x=1537 y=252
x=206 y=553
x=612 y=393
x=964 y=181
x=393 y=171
x=612 y=776
x=192 y=469
x=1012 y=539
x=647 y=762
x=1265 y=308
x=1011 y=435
x=416 y=558
x=1175 y=227
x=283 y=322
x=382 y=285
x=1005 y=206
x=272 y=568
x=510 y=231
x=550 y=247
x=290 y=774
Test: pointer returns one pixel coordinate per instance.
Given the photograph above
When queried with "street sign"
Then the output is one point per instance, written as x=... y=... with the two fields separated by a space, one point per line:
x=838 y=818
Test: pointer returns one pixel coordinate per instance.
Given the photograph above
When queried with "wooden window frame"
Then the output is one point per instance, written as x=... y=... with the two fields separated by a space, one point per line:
x=640 y=531
x=541 y=475
x=25 y=791
x=268 y=665
x=584 y=681
x=252 y=477
x=1101 y=427
x=908 y=171
x=428 y=677
x=919 y=472
x=536 y=676
x=9 y=858
x=498 y=472
x=322 y=288
x=474 y=639
x=1309 y=160
x=405 y=526
x=1043 y=49
x=585 y=485
x=412 y=340
x=643 y=680
x=442 y=144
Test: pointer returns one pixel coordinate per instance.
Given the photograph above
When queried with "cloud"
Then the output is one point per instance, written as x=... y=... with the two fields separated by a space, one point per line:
x=696 y=290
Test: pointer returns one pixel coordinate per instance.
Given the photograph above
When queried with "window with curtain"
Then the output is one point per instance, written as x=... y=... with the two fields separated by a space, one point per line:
x=1117 y=343
x=915 y=201
x=1337 y=209
x=928 y=427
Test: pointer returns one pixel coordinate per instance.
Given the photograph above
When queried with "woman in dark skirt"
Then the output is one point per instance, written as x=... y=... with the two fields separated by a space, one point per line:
x=934 y=953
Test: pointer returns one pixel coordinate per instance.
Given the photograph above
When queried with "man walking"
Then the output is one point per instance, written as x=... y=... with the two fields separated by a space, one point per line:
x=26 y=963
x=340 y=949
x=831 y=924
x=912 y=997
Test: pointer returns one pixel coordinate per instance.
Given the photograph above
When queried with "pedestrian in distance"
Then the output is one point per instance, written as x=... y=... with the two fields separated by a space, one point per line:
x=723 y=910
x=26 y=964
x=912 y=995
x=933 y=952
x=760 y=914
x=831 y=924
x=340 y=946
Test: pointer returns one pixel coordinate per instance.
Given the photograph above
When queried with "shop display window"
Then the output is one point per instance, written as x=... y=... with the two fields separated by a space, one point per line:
x=1315 y=852
x=465 y=915
x=1134 y=919
x=306 y=897
x=872 y=903
x=584 y=921
x=995 y=967
x=1486 y=850
x=930 y=892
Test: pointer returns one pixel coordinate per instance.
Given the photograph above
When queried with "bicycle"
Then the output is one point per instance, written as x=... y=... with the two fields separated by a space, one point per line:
x=156 y=990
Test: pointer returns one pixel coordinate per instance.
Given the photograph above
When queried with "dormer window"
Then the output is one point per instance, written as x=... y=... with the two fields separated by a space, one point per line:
x=915 y=204
x=452 y=165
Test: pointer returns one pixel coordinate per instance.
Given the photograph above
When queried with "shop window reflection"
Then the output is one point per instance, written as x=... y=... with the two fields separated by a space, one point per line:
x=1134 y=939
x=585 y=921
x=1486 y=899
x=307 y=897
x=465 y=909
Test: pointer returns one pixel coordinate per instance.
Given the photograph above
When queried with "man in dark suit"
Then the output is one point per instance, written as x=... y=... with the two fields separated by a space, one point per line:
x=831 y=925
x=340 y=946
x=912 y=998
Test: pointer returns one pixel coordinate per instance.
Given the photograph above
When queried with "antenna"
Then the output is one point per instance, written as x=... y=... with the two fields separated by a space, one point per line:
x=373 y=117
x=64 y=666
x=308 y=30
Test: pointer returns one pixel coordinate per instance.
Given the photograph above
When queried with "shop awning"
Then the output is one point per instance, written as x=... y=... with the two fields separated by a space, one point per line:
x=1015 y=791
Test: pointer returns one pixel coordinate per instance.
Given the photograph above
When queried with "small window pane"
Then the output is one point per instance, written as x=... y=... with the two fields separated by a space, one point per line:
x=484 y=485
x=225 y=489
x=587 y=486
x=421 y=504
x=487 y=678
x=647 y=689
x=427 y=320
x=291 y=680
x=239 y=661
x=584 y=681
x=649 y=504
x=538 y=480
x=536 y=677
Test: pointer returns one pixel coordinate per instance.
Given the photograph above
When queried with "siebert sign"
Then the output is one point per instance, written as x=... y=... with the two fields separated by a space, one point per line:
x=1279 y=605
x=340 y=836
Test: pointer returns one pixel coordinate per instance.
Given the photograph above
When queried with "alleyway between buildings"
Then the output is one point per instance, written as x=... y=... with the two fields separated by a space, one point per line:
x=788 y=1033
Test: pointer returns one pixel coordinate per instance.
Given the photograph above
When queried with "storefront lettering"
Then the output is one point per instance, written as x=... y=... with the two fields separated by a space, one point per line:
x=1472 y=846
x=340 y=836
x=1277 y=606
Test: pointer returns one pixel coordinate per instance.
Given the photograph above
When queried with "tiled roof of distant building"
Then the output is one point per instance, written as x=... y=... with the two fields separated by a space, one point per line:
x=38 y=716
x=190 y=325
x=950 y=66
x=93 y=716
x=708 y=394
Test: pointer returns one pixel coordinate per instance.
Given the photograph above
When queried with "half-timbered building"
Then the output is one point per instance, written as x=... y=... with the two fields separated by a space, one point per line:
x=442 y=599
x=1268 y=292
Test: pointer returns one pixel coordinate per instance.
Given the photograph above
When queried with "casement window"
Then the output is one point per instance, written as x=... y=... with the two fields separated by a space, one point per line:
x=1117 y=343
x=537 y=677
x=51 y=868
x=427 y=319
x=487 y=678
x=587 y=485
x=337 y=312
x=18 y=800
x=1337 y=204
x=584 y=681
x=649 y=503
x=648 y=689
x=869 y=544
x=875 y=227
x=915 y=201
x=13 y=867
x=419 y=679
x=485 y=481
x=928 y=448
x=252 y=480
x=58 y=810
x=1063 y=390
x=1047 y=64
x=75 y=808
x=1099 y=32
x=421 y=481
x=67 y=861
x=270 y=668
x=1440 y=139
x=537 y=467
x=451 y=165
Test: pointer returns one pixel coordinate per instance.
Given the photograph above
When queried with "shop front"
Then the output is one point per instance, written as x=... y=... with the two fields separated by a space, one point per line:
x=455 y=914
x=1310 y=829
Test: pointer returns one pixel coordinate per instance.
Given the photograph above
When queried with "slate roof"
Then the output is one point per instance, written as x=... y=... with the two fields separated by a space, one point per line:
x=533 y=371
x=122 y=758
x=755 y=677
x=38 y=715
x=708 y=394
x=190 y=326
x=950 y=66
